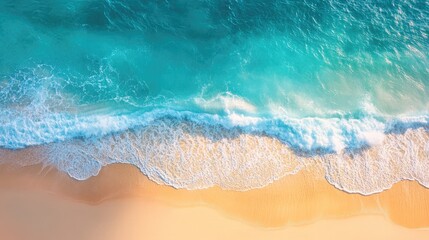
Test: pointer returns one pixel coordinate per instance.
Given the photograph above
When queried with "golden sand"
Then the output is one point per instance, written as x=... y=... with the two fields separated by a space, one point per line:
x=35 y=215
x=297 y=202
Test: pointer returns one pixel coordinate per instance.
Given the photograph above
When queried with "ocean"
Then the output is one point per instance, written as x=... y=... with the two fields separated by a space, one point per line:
x=230 y=93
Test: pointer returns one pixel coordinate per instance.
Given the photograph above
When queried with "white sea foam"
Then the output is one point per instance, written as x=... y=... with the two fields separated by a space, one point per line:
x=190 y=155
x=182 y=155
x=372 y=170
x=306 y=134
x=193 y=151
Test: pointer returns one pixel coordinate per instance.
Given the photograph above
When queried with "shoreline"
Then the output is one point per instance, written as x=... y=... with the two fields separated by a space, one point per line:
x=190 y=158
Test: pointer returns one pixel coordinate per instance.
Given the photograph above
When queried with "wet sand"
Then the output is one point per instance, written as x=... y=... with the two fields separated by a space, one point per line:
x=121 y=203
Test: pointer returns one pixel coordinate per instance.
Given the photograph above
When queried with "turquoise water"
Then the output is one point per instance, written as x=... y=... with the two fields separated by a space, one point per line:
x=316 y=75
x=305 y=58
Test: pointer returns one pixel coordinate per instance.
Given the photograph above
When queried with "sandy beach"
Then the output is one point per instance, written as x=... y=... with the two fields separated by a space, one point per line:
x=121 y=203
